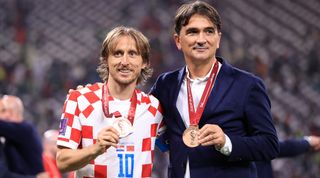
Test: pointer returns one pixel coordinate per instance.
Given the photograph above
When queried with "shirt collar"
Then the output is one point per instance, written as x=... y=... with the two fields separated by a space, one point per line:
x=201 y=79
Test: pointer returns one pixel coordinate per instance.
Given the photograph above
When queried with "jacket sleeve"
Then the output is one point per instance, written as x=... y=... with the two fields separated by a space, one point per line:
x=261 y=142
x=293 y=147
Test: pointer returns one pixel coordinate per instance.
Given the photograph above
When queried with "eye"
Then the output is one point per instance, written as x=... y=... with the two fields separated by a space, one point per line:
x=118 y=54
x=133 y=53
x=210 y=31
x=192 y=31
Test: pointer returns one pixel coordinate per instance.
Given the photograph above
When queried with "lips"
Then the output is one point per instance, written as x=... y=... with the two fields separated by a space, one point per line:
x=200 y=48
x=124 y=70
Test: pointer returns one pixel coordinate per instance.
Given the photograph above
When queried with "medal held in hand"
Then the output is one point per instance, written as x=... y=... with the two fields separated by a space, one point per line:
x=190 y=135
x=123 y=126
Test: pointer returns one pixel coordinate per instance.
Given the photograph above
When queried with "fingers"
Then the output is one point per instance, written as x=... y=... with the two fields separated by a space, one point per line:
x=70 y=91
x=211 y=134
x=81 y=86
x=108 y=137
x=87 y=85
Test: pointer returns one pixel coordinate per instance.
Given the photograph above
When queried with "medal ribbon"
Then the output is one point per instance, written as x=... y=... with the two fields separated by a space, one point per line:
x=195 y=116
x=105 y=105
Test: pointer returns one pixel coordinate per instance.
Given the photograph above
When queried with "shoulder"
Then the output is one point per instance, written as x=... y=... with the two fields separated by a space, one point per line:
x=171 y=75
x=145 y=98
x=167 y=81
x=247 y=75
x=92 y=92
x=239 y=74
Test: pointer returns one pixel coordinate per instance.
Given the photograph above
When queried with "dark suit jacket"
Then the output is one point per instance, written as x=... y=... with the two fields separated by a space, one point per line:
x=4 y=171
x=23 y=145
x=238 y=103
x=288 y=148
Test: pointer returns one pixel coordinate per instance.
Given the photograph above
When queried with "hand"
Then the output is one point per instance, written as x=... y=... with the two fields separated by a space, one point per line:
x=81 y=86
x=211 y=134
x=107 y=137
x=314 y=142
x=78 y=87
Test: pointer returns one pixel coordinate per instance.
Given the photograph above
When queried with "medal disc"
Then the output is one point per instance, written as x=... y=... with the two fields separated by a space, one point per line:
x=123 y=126
x=190 y=136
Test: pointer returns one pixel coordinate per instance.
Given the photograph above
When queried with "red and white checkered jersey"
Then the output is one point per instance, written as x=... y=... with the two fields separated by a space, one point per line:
x=83 y=118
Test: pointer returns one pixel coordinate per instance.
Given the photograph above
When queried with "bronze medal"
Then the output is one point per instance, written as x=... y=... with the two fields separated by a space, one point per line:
x=190 y=136
x=123 y=126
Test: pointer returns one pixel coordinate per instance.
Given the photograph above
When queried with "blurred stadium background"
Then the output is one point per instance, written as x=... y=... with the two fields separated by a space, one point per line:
x=49 y=46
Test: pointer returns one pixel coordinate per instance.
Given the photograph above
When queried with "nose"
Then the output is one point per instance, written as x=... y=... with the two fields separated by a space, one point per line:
x=201 y=39
x=125 y=59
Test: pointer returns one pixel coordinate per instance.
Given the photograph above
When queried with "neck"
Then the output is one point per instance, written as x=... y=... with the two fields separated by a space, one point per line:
x=121 y=92
x=200 y=70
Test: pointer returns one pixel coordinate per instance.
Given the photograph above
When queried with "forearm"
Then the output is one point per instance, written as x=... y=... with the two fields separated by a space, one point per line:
x=70 y=160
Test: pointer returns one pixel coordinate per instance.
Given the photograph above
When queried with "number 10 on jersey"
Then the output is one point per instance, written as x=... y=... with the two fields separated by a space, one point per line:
x=126 y=162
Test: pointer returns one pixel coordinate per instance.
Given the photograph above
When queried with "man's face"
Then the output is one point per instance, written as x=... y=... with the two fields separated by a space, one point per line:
x=198 y=40
x=124 y=62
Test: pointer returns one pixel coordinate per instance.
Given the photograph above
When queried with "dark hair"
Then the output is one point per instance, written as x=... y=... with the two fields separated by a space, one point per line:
x=185 y=12
x=109 y=44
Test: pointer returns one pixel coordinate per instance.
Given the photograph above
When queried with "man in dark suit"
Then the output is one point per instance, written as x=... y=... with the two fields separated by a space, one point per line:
x=20 y=144
x=218 y=117
x=4 y=171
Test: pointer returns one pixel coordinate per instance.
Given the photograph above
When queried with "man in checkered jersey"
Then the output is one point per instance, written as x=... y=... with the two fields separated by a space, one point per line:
x=91 y=140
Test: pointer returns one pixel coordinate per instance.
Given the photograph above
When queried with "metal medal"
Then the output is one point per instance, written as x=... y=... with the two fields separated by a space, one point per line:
x=190 y=136
x=123 y=126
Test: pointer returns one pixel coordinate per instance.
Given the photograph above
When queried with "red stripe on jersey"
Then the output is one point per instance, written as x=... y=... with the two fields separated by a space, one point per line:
x=63 y=139
x=68 y=116
x=146 y=170
x=87 y=132
x=74 y=95
x=152 y=110
x=100 y=171
x=91 y=97
x=70 y=121
x=145 y=99
x=87 y=111
x=153 y=130
x=130 y=148
x=75 y=135
x=94 y=87
x=146 y=144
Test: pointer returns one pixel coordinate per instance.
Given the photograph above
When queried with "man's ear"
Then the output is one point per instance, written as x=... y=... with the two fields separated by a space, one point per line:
x=219 y=39
x=176 y=38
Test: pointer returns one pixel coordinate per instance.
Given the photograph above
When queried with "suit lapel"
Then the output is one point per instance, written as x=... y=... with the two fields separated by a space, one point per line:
x=175 y=98
x=221 y=86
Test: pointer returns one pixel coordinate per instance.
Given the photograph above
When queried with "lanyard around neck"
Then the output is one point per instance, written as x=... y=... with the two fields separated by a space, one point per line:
x=105 y=105
x=195 y=116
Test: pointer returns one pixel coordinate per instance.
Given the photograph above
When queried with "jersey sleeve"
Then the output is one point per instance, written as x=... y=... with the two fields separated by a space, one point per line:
x=161 y=136
x=70 y=127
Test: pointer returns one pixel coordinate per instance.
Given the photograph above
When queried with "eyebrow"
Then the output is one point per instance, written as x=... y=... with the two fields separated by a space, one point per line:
x=192 y=29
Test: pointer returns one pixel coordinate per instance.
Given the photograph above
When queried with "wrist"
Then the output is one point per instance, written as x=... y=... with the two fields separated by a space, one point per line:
x=97 y=150
x=308 y=139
